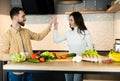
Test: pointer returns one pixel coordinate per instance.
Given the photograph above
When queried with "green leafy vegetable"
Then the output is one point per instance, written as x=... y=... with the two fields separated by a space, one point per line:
x=90 y=52
x=47 y=55
x=18 y=58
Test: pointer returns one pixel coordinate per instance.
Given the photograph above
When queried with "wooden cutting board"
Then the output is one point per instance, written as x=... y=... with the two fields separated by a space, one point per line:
x=67 y=59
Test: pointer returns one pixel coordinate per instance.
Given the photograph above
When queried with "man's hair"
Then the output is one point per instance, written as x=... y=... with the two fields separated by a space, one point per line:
x=15 y=11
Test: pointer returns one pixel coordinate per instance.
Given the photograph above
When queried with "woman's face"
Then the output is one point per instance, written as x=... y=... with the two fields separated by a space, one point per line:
x=72 y=22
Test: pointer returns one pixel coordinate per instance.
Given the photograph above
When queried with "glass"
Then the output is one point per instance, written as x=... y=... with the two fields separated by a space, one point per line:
x=24 y=53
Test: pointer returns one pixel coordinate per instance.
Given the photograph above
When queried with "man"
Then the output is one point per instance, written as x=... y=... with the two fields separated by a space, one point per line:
x=17 y=40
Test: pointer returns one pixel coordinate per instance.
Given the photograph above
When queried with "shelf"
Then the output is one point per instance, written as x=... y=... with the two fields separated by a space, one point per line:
x=114 y=8
x=88 y=12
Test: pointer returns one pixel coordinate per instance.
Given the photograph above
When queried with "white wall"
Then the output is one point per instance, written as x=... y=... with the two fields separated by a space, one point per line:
x=100 y=26
x=39 y=23
x=4 y=17
x=117 y=25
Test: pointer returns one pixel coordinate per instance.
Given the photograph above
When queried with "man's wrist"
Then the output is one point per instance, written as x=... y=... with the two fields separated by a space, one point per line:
x=49 y=29
x=55 y=28
x=50 y=26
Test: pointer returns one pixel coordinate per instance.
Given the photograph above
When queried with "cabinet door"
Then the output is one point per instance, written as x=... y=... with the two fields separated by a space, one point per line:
x=102 y=4
x=90 y=4
x=1 y=71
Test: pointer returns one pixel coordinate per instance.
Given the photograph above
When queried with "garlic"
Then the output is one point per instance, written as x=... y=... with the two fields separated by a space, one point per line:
x=77 y=59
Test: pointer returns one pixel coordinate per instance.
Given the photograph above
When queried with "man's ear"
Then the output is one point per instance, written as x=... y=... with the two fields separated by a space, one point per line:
x=15 y=17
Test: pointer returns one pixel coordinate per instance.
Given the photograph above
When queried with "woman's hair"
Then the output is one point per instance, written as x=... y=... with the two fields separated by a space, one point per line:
x=79 y=21
x=15 y=11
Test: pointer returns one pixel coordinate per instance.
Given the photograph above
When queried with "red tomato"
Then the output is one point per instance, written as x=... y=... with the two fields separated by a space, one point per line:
x=63 y=57
x=34 y=56
x=42 y=59
x=109 y=61
x=54 y=54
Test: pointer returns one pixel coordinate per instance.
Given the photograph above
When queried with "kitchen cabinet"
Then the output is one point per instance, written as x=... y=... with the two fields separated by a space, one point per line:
x=1 y=71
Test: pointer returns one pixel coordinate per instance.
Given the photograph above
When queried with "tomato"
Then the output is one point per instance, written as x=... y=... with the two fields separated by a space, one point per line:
x=63 y=57
x=109 y=61
x=34 y=56
x=42 y=59
x=54 y=54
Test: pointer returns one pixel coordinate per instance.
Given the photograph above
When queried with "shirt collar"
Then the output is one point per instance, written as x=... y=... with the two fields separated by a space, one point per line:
x=75 y=28
x=15 y=30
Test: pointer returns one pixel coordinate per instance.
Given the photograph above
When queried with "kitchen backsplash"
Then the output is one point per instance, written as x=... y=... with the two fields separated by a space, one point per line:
x=117 y=25
x=100 y=26
x=104 y=27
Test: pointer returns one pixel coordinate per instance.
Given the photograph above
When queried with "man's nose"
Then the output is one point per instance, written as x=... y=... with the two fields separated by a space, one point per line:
x=25 y=19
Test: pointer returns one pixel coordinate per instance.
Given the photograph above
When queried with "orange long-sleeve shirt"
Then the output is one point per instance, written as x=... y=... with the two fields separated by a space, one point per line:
x=11 y=43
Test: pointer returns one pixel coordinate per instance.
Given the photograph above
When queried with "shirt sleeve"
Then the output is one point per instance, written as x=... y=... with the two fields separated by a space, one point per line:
x=39 y=36
x=4 y=48
x=57 y=38
x=89 y=40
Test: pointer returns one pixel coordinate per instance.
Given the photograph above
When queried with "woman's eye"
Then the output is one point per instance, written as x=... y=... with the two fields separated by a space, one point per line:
x=70 y=19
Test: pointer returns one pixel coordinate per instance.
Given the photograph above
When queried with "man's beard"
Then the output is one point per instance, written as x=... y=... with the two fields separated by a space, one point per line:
x=22 y=23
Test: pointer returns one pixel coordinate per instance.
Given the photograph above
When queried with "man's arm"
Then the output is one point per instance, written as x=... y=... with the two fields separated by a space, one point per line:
x=4 y=48
x=41 y=35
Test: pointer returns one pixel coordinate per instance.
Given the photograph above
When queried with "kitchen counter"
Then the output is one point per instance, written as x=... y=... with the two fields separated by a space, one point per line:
x=62 y=66
x=67 y=66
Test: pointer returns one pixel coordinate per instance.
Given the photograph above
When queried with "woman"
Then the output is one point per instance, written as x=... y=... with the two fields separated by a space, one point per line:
x=78 y=39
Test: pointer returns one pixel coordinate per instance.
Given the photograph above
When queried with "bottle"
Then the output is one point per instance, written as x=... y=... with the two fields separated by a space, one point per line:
x=117 y=45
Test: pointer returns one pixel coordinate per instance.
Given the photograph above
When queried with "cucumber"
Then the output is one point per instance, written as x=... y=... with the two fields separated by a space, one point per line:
x=33 y=60
x=71 y=54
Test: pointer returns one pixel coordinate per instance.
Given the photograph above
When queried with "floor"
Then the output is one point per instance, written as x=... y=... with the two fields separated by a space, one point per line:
x=101 y=80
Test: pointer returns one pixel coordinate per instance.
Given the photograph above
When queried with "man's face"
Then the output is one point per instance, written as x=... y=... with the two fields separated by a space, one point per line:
x=21 y=18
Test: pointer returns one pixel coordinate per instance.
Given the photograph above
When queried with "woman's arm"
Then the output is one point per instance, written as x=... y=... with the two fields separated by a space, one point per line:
x=56 y=38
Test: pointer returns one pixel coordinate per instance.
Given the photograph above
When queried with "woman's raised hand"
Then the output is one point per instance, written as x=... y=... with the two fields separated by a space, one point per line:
x=55 y=23
x=51 y=22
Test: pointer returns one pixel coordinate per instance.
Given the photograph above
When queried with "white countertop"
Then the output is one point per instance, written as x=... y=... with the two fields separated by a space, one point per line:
x=64 y=66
